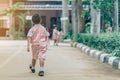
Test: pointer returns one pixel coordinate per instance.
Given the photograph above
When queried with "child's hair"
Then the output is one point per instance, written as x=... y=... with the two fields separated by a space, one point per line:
x=36 y=19
x=60 y=29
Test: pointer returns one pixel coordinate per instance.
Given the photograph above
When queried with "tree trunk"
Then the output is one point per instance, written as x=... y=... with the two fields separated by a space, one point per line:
x=74 y=17
x=118 y=13
x=115 y=19
x=12 y=28
x=103 y=24
x=95 y=19
x=65 y=15
x=81 y=19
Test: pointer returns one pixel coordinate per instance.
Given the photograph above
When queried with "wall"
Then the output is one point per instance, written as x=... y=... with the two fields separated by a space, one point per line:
x=4 y=4
x=47 y=13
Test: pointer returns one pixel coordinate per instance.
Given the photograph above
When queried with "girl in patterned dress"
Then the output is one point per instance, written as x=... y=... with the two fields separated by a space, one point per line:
x=38 y=40
x=54 y=35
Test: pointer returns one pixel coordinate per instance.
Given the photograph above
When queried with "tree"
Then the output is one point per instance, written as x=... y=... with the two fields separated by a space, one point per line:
x=77 y=19
x=74 y=17
x=80 y=18
x=103 y=12
x=115 y=18
x=21 y=17
x=11 y=12
x=95 y=18
x=65 y=14
x=106 y=8
x=119 y=12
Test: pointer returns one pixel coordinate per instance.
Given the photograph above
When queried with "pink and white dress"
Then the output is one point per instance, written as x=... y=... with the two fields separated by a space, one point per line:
x=39 y=41
x=59 y=36
x=54 y=35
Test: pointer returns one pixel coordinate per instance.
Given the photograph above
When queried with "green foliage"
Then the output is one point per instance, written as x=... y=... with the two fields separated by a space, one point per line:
x=70 y=29
x=20 y=35
x=106 y=7
x=21 y=17
x=28 y=24
x=108 y=42
x=83 y=14
x=12 y=9
x=116 y=52
x=69 y=1
x=87 y=25
x=86 y=2
x=119 y=13
x=69 y=34
x=66 y=36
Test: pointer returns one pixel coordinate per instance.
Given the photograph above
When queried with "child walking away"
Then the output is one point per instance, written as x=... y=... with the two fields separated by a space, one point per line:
x=54 y=35
x=38 y=41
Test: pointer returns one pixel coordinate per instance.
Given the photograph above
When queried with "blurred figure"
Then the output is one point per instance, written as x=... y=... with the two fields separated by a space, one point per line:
x=54 y=35
x=47 y=32
x=109 y=29
x=59 y=36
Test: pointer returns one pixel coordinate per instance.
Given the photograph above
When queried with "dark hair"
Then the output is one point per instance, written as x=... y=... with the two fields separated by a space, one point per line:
x=36 y=19
x=60 y=29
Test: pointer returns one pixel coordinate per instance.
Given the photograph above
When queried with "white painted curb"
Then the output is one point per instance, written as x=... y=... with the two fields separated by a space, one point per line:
x=100 y=55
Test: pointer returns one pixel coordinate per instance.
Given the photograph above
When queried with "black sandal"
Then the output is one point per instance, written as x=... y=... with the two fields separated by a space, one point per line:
x=41 y=73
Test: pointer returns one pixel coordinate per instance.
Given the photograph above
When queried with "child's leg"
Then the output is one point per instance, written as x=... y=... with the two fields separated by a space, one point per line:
x=41 y=64
x=55 y=41
x=34 y=55
x=42 y=56
x=41 y=72
x=32 y=67
x=34 y=58
x=33 y=62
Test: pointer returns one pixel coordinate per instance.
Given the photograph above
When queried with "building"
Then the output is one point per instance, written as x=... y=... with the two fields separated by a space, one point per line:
x=50 y=12
x=4 y=20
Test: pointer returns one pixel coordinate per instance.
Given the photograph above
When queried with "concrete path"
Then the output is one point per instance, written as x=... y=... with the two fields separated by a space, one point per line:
x=62 y=63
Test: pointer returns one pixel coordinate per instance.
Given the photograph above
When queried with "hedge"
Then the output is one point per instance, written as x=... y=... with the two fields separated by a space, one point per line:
x=107 y=42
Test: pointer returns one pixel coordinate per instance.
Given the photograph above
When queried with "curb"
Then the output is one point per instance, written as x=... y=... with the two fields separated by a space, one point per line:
x=102 y=56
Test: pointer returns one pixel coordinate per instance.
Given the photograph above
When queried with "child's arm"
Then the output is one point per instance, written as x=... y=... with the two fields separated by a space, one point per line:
x=29 y=39
x=28 y=44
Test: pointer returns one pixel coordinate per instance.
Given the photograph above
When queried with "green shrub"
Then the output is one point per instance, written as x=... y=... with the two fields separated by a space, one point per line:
x=87 y=25
x=66 y=36
x=108 y=42
x=116 y=52
x=20 y=35
x=69 y=34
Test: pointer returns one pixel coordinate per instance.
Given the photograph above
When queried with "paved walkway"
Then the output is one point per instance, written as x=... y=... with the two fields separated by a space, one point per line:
x=62 y=63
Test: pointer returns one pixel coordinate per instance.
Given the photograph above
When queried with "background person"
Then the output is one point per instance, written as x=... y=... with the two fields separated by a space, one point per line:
x=54 y=35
